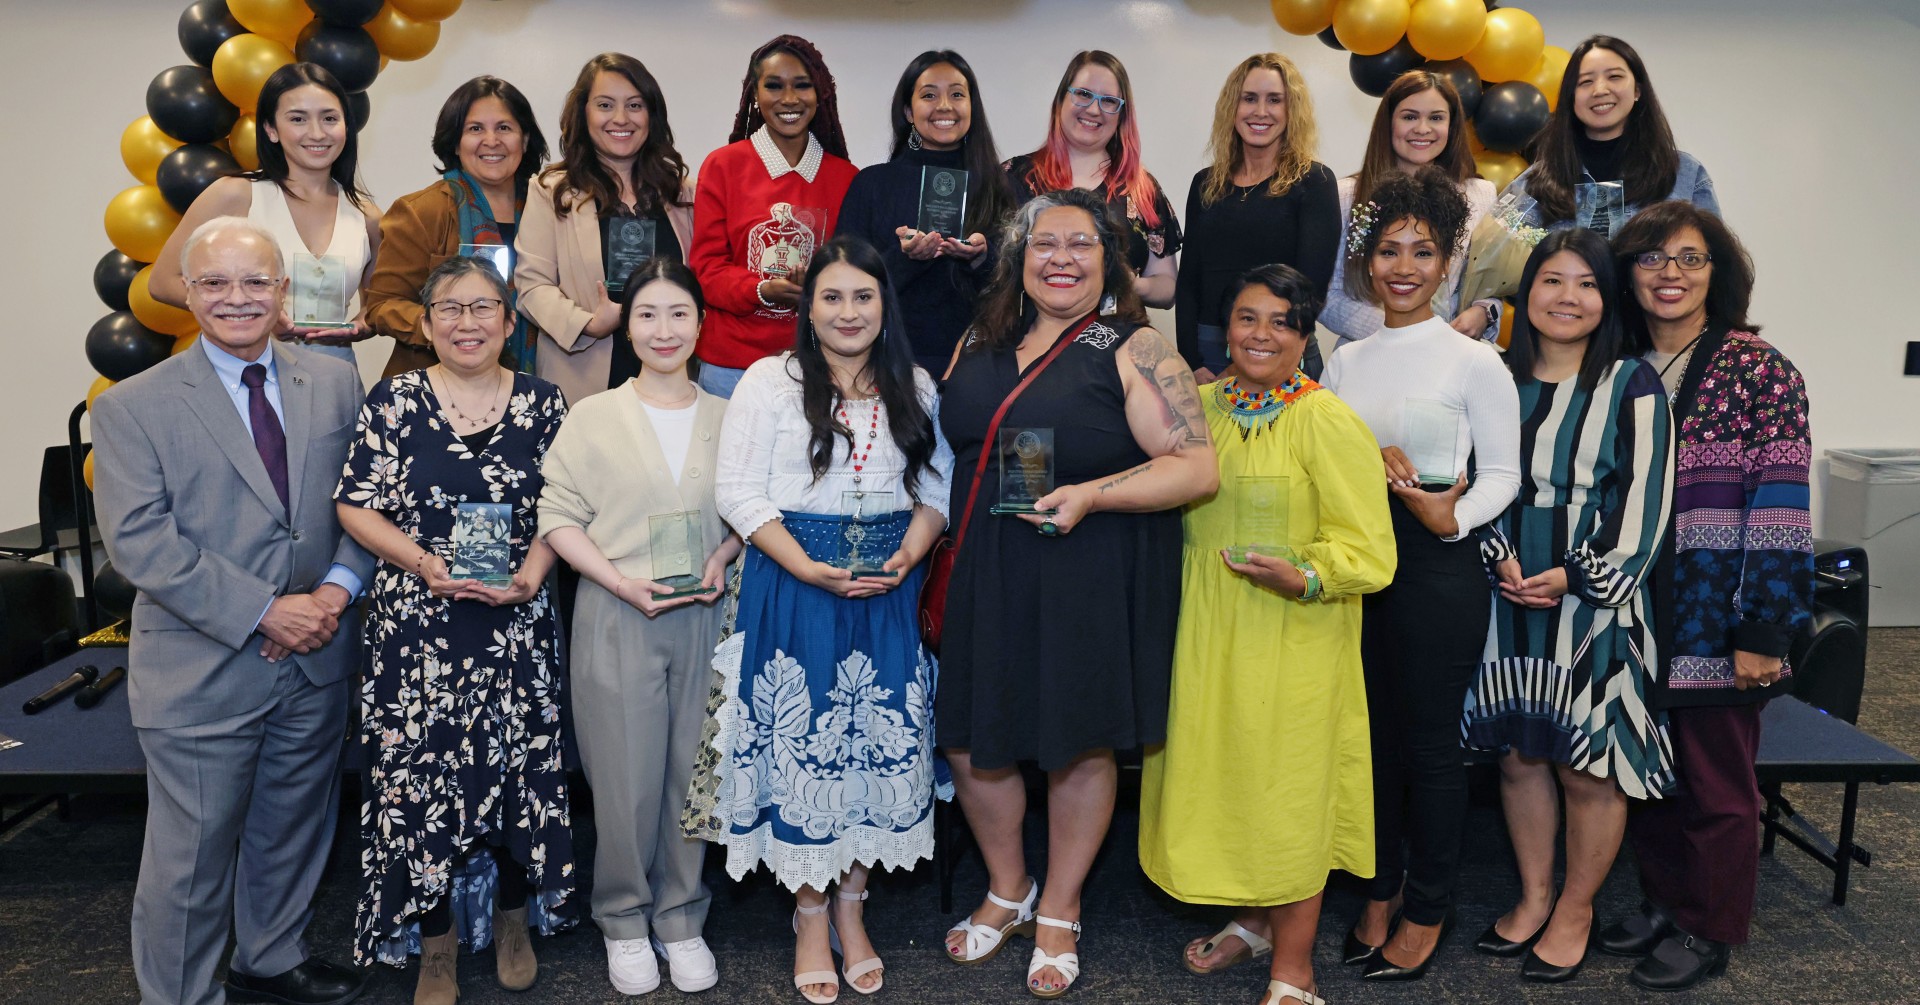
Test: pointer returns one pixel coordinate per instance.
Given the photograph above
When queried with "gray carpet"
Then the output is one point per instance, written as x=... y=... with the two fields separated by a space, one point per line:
x=66 y=888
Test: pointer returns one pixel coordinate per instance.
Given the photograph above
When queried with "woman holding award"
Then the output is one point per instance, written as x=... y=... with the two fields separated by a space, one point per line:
x=629 y=503
x=460 y=704
x=617 y=197
x=307 y=194
x=930 y=209
x=1447 y=417
x=1079 y=434
x=766 y=202
x=1268 y=697
x=833 y=470
x=489 y=148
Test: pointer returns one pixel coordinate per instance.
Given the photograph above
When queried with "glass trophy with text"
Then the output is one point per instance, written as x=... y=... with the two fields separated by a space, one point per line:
x=1262 y=504
x=1026 y=470
x=1430 y=438
x=321 y=291
x=943 y=202
x=482 y=545
x=861 y=549
x=630 y=242
x=678 y=552
x=1600 y=206
x=500 y=255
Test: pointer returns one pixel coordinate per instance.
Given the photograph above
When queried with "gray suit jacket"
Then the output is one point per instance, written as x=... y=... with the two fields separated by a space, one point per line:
x=190 y=517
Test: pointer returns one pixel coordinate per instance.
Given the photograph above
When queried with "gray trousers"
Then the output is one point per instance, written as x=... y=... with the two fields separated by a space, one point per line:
x=240 y=817
x=639 y=691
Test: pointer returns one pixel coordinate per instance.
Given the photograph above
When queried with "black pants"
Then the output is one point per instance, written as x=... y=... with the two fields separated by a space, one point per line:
x=1421 y=643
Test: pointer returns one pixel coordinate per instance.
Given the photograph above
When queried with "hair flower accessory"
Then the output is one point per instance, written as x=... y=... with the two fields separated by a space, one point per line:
x=1360 y=224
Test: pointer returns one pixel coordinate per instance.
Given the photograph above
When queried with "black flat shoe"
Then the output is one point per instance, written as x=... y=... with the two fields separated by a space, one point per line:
x=1680 y=961
x=315 y=982
x=1356 y=952
x=1636 y=936
x=1492 y=943
x=1378 y=969
x=1540 y=971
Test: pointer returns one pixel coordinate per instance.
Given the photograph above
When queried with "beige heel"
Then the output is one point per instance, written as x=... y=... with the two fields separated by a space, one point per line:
x=802 y=981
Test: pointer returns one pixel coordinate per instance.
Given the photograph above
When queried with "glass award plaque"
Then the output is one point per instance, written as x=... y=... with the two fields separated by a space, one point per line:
x=1260 y=510
x=1430 y=437
x=1026 y=470
x=679 y=550
x=859 y=549
x=629 y=243
x=322 y=288
x=482 y=550
x=1600 y=206
x=943 y=202
x=500 y=255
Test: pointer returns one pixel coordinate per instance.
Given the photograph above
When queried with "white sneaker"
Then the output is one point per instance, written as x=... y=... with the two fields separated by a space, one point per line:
x=631 y=966
x=689 y=963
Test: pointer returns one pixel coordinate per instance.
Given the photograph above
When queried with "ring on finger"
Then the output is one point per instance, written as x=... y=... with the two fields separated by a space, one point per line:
x=1049 y=529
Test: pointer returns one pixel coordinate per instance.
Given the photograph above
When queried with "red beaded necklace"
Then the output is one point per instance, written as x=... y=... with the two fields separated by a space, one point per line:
x=854 y=453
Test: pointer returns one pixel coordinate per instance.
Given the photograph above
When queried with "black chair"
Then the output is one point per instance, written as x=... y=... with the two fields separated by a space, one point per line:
x=58 y=531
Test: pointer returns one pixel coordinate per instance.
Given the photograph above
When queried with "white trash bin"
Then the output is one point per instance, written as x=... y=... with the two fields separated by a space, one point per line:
x=1873 y=500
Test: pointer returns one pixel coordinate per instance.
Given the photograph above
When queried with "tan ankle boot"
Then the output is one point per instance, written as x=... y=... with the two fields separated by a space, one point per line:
x=514 y=964
x=439 y=980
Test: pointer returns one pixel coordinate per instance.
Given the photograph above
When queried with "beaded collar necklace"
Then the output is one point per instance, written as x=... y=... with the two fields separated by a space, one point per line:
x=1255 y=413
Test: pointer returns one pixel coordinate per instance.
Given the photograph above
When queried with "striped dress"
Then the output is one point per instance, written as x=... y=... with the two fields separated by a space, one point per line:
x=1571 y=683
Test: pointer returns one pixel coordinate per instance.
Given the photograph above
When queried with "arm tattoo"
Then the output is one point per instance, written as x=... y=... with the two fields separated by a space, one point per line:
x=1172 y=383
x=1115 y=481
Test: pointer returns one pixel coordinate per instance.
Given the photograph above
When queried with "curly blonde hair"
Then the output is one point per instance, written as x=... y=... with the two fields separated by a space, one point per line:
x=1298 y=142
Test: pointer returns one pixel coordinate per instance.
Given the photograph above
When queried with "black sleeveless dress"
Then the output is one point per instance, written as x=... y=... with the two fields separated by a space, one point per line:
x=1055 y=646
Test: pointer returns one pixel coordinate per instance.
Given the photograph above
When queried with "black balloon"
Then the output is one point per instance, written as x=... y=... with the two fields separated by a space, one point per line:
x=1465 y=80
x=113 y=592
x=348 y=53
x=185 y=104
x=1374 y=74
x=187 y=172
x=347 y=13
x=113 y=275
x=1332 y=40
x=359 y=107
x=119 y=346
x=1509 y=116
x=203 y=26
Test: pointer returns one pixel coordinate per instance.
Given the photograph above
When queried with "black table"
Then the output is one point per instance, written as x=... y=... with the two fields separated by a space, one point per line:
x=67 y=749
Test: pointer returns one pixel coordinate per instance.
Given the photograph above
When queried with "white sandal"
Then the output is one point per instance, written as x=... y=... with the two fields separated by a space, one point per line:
x=854 y=971
x=802 y=981
x=983 y=942
x=1256 y=947
x=1067 y=963
x=1281 y=989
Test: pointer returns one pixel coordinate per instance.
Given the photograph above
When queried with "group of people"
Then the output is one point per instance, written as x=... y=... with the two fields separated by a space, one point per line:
x=1300 y=588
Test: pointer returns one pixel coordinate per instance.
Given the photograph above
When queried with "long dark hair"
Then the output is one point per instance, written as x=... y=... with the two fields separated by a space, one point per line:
x=1607 y=344
x=889 y=362
x=1004 y=315
x=273 y=160
x=1428 y=196
x=1381 y=162
x=447 y=129
x=989 y=198
x=659 y=174
x=825 y=126
x=1729 y=291
x=1649 y=162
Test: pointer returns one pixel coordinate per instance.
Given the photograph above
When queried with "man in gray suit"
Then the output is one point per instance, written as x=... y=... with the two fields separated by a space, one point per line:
x=215 y=473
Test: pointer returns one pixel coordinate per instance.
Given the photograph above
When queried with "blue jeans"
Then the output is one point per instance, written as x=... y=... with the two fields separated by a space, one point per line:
x=719 y=380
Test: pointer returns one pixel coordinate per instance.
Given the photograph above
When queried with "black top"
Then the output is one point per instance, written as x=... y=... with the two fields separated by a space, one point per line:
x=666 y=244
x=1601 y=158
x=477 y=440
x=1248 y=228
x=508 y=229
x=1162 y=240
x=937 y=296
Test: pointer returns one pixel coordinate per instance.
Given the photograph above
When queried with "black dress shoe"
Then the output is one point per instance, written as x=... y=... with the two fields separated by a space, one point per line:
x=1540 y=971
x=1636 y=936
x=1378 y=969
x=315 y=982
x=1492 y=943
x=1680 y=961
x=1356 y=952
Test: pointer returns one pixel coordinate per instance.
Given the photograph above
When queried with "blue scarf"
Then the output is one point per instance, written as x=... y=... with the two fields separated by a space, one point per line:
x=477 y=227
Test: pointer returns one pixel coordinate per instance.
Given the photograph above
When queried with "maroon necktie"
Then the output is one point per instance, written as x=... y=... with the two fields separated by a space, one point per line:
x=268 y=438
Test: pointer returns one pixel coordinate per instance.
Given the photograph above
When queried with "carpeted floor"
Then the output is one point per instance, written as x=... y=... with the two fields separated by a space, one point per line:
x=66 y=888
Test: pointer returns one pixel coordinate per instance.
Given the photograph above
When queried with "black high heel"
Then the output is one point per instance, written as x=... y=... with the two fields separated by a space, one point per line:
x=1381 y=970
x=1540 y=971
x=1492 y=943
x=1356 y=952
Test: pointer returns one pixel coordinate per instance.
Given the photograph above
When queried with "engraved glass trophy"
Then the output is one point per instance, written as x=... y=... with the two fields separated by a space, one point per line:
x=500 y=255
x=1260 y=511
x=629 y=243
x=481 y=547
x=1430 y=438
x=1600 y=206
x=1026 y=470
x=322 y=288
x=943 y=202
x=862 y=548
x=679 y=551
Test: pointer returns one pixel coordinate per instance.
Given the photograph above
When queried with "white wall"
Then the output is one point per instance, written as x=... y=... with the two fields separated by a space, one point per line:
x=1796 y=108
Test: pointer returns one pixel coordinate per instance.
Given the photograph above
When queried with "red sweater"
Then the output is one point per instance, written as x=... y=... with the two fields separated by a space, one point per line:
x=741 y=235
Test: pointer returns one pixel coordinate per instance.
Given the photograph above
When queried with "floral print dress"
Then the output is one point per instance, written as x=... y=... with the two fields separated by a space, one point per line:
x=460 y=702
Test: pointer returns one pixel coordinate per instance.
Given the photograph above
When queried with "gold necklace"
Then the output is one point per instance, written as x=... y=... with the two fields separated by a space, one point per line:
x=493 y=398
x=692 y=393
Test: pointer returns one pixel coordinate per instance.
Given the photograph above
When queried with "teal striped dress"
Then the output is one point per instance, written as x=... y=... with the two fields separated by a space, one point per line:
x=1571 y=683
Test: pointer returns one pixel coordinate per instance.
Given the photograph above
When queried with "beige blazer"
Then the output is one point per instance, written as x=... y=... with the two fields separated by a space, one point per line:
x=557 y=263
x=606 y=474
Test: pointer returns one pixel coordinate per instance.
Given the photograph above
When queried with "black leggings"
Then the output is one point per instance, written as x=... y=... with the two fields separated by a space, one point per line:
x=1421 y=642
x=509 y=895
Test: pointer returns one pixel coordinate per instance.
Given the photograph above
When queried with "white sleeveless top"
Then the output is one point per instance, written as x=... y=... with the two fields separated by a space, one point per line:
x=269 y=209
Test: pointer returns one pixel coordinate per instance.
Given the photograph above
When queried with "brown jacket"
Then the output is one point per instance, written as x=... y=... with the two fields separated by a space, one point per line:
x=419 y=231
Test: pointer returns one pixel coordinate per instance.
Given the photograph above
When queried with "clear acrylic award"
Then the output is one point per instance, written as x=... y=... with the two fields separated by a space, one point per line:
x=1261 y=506
x=630 y=242
x=482 y=546
x=943 y=202
x=1430 y=438
x=860 y=548
x=500 y=255
x=678 y=552
x=1026 y=470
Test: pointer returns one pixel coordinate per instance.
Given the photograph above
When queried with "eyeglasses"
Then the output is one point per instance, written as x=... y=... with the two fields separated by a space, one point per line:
x=484 y=309
x=1079 y=247
x=1083 y=98
x=253 y=287
x=1654 y=261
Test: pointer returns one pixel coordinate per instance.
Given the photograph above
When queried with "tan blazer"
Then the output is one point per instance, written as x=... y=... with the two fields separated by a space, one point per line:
x=557 y=262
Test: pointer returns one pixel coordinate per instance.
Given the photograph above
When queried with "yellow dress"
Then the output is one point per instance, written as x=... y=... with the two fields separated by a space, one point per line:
x=1265 y=782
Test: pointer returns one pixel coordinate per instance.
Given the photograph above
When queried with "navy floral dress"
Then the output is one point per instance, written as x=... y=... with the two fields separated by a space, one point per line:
x=460 y=703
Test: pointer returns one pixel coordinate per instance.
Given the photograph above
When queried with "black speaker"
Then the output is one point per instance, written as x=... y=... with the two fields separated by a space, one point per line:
x=38 y=620
x=1830 y=657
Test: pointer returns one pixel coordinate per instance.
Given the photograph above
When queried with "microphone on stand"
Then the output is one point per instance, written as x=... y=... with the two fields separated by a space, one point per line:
x=91 y=695
x=79 y=678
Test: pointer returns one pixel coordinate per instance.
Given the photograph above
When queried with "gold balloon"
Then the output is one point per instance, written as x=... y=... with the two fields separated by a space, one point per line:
x=426 y=10
x=182 y=344
x=243 y=63
x=1446 y=29
x=1371 y=27
x=86 y=469
x=401 y=37
x=1547 y=76
x=279 y=20
x=143 y=146
x=1510 y=47
x=1500 y=169
x=1303 y=17
x=139 y=221
x=240 y=142
x=99 y=384
x=163 y=318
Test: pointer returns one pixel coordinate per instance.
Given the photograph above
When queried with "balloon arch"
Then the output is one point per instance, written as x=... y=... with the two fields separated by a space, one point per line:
x=199 y=124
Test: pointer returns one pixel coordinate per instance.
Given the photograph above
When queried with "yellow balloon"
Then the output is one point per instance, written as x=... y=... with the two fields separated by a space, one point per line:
x=138 y=222
x=99 y=384
x=1370 y=27
x=426 y=10
x=401 y=37
x=240 y=142
x=1510 y=47
x=1446 y=29
x=143 y=146
x=86 y=469
x=1303 y=17
x=182 y=344
x=1547 y=75
x=1500 y=169
x=164 y=318
x=280 y=20
x=243 y=63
